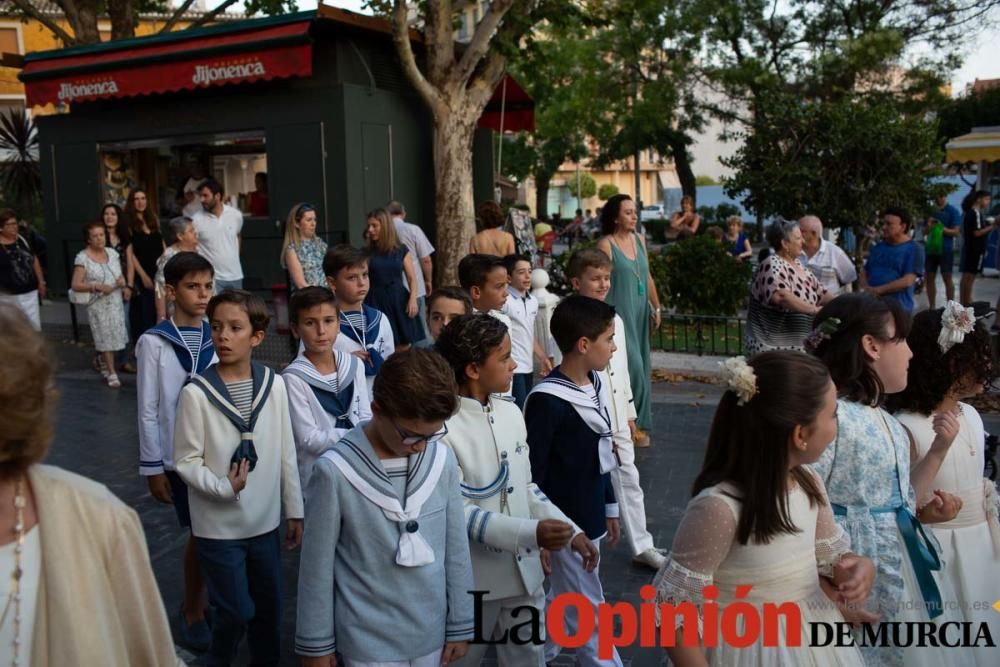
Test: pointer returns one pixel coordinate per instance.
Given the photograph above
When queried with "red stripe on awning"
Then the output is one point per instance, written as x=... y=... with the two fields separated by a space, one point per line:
x=516 y=106
x=162 y=68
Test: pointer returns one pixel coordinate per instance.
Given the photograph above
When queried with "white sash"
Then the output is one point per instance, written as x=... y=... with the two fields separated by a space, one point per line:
x=412 y=549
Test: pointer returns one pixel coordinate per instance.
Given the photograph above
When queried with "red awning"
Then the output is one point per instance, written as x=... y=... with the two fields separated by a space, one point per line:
x=170 y=63
x=517 y=106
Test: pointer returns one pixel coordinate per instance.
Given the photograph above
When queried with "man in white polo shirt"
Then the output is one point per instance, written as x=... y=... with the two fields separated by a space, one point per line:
x=826 y=260
x=415 y=240
x=219 y=226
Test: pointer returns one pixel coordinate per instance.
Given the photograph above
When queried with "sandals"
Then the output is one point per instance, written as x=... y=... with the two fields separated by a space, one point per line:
x=127 y=367
x=113 y=381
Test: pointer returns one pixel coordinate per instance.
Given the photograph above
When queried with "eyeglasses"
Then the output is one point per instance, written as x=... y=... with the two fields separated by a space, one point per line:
x=411 y=439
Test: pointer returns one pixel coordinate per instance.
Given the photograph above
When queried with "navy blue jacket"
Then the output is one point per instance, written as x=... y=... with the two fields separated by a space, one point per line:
x=565 y=463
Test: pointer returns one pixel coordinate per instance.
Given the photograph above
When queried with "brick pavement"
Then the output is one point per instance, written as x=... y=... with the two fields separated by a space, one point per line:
x=96 y=436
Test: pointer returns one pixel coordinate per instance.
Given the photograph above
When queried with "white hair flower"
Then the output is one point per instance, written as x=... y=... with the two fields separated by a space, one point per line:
x=740 y=378
x=957 y=321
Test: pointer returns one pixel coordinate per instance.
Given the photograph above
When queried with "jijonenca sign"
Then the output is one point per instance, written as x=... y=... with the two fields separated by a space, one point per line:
x=739 y=624
x=208 y=74
x=72 y=91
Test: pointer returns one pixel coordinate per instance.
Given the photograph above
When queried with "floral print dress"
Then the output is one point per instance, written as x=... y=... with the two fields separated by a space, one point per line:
x=310 y=253
x=106 y=313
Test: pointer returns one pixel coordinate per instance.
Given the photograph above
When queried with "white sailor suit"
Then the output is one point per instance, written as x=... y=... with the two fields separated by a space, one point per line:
x=502 y=509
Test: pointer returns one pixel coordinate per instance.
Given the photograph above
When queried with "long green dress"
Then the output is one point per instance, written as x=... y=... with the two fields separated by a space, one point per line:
x=629 y=295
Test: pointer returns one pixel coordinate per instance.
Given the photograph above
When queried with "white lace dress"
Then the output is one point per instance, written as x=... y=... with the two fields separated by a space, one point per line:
x=705 y=552
x=970 y=543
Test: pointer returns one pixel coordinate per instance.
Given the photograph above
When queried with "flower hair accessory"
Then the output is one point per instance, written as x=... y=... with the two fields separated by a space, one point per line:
x=740 y=378
x=956 y=322
x=826 y=328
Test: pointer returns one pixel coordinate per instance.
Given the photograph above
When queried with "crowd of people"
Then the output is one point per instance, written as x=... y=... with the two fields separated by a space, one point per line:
x=419 y=451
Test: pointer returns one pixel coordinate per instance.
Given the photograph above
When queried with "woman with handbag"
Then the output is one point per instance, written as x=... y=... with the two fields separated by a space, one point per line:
x=97 y=283
x=784 y=295
x=633 y=294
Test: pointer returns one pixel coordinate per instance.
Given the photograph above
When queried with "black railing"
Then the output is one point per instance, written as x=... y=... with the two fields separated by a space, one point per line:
x=700 y=334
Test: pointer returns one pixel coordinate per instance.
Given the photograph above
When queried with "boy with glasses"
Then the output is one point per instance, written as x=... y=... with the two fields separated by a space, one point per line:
x=385 y=500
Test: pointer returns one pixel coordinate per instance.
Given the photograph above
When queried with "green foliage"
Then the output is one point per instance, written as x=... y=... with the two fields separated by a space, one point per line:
x=959 y=116
x=704 y=180
x=607 y=191
x=717 y=215
x=657 y=229
x=843 y=160
x=587 y=184
x=701 y=277
x=19 y=172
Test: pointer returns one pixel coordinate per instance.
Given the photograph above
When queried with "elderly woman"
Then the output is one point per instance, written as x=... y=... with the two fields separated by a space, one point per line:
x=185 y=240
x=492 y=240
x=75 y=568
x=784 y=295
x=97 y=271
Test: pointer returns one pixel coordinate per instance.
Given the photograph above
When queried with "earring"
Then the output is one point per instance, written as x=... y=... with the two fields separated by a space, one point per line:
x=805 y=446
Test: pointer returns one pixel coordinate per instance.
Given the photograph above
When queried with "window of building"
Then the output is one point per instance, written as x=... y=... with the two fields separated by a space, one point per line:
x=9 y=43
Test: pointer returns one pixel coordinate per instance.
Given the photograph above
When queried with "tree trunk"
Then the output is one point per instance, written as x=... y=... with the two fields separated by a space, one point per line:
x=682 y=163
x=453 y=205
x=122 y=19
x=542 y=196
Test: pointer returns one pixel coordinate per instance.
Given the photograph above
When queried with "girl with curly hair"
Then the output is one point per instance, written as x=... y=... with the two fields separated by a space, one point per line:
x=952 y=361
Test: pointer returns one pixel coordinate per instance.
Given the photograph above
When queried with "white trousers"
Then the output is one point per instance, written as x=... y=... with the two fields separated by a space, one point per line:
x=631 y=502
x=497 y=620
x=429 y=660
x=568 y=576
x=28 y=304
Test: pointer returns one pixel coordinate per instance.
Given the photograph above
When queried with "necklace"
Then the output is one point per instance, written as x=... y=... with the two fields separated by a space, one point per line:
x=634 y=263
x=965 y=430
x=15 y=589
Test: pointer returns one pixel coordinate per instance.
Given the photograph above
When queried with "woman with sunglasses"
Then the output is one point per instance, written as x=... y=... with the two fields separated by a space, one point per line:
x=302 y=252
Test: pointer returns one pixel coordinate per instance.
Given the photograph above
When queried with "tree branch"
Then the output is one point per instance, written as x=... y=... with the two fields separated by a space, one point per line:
x=210 y=16
x=31 y=12
x=482 y=85
x=177 y=15
x=439 y=41
x=480 y=44
x=401 y=37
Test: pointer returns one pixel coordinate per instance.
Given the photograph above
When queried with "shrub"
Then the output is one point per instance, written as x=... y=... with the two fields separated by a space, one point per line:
x=607 y=191
x=702 y=278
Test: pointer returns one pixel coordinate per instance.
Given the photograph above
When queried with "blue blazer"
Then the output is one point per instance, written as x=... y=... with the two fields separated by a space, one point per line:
x=565 y=463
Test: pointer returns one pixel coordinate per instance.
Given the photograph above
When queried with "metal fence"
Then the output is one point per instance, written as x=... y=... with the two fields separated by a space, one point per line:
x=699 y=334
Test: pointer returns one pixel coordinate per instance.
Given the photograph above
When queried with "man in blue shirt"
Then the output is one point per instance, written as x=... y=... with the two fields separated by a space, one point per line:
x=893 y=265
x=942 y=228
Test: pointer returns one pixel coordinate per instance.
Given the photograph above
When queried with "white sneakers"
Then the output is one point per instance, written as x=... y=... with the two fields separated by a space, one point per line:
x=651 y=558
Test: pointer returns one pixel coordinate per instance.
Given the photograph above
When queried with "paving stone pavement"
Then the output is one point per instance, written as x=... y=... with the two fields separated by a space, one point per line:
x=96 y=436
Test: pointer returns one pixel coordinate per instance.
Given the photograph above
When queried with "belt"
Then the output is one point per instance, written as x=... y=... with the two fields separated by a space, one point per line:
x=918 y=547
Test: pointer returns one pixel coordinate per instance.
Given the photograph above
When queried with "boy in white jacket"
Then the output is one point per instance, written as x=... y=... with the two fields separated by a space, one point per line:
x=509 y=520
x=168 y=355
x=236 y=453
x=327 y=393
x=589 y=271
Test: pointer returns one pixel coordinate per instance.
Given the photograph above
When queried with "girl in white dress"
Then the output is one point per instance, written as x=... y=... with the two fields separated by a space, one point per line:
x=760 y=518
x=952 y=360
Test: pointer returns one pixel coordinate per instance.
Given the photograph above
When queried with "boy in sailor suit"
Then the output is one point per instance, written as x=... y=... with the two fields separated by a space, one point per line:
x=569 y=432
x=507 y=517
x=366 y=331
x=327 y=393
x=169 y=354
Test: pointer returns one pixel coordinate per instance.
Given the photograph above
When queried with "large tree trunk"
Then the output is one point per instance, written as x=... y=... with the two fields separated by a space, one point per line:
x=542 y=195
x=682 y=163
x=122 y=19
x=453 y=205
x=82 y=16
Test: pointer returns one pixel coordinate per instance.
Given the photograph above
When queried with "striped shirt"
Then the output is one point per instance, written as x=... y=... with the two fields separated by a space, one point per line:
x=192 y=339
x=355 y=318
x=396 y=469
x=242 y=394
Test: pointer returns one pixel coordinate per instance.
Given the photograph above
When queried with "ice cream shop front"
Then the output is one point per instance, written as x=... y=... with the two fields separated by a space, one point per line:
x=309 y=107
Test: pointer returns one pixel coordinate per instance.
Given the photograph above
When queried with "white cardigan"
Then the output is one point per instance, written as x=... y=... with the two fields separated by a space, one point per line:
x=204 y=442
x=502 y=540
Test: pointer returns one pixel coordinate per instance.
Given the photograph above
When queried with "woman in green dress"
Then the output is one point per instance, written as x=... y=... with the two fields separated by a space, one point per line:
x=633 y=294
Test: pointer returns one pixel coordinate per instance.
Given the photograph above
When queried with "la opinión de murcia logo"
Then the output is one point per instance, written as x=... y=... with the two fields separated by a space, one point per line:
x=72 y=91
x=739 y=624
x=208 y=74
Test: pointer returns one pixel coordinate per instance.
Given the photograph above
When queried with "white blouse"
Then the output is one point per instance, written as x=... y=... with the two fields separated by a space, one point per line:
x=31 y=564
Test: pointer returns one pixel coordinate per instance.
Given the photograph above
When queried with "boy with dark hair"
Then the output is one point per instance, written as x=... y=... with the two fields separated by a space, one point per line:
x=238 y=489
x=485 y=278
x=168 y=355
x=522 y=309
x=589 y=272
x=508 y=519
x=386 y=501
x=443 y=305
x=327 y=394
x=366 y=331
x=569 y=433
